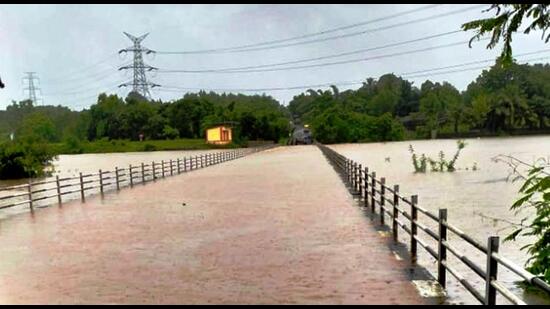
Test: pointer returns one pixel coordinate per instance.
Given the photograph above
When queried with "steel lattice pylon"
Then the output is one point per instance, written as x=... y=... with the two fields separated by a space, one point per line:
x=32 y=89
x=139 y=83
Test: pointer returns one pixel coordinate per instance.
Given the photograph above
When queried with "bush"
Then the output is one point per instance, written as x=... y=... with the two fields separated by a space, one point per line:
x=24 y=159
x=73 y=145
x=170 y=133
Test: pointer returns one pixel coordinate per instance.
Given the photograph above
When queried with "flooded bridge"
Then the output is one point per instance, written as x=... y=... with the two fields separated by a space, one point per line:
x=276 y=227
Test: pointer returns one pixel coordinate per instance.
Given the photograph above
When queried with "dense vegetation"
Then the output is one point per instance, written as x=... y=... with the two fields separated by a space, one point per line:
x=501 y=100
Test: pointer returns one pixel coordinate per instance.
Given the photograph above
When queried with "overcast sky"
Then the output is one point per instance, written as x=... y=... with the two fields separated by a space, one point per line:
x=73 y=48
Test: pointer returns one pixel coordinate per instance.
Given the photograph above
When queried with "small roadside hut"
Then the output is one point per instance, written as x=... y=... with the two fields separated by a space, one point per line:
x=220 y=134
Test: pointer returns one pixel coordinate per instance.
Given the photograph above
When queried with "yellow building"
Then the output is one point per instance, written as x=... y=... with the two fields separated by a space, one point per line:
x=220 y=135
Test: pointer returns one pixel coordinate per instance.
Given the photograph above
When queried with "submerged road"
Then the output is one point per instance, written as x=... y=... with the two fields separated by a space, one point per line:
x=277 y=226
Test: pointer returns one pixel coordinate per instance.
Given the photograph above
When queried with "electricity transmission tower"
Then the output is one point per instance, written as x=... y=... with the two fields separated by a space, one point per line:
x=31 y=87
x=139 y=83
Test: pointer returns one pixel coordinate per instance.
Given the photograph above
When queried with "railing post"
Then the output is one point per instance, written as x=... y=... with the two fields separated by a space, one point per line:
x=30 y=194
x=382 y=200
x=491 y=272
x=184 y=164
x=162 y=166
x=171 y=168
x=442 y=250
x=100 y=182
x=395 y=212
x=360 y=181
x=354 y=182
x=366 y=187
x=349 y=171
x=357 y=177
x=142 y=172
x=131 y=175
x=57 y=183
x=414 y=217
x=116 y=176
x=373 y=193
x=82 y=197
x=179 y=168
x=154 y=171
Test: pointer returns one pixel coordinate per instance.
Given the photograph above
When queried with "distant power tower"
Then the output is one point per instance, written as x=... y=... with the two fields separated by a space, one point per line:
x=139 y=83
x=31 y=88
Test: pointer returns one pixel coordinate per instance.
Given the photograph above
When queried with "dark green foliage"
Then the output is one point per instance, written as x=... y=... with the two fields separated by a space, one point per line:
x=30 y=152
x=366 y=114
x=170 y=133
x=535 y=194
x=149 y=147
x=507 y=20
x=256 y=117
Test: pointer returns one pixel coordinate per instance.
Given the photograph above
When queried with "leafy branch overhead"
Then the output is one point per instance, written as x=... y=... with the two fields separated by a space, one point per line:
x=535 y=196
x=507 y=20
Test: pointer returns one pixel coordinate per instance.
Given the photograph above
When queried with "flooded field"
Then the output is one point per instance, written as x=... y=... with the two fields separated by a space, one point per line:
x=478 y=201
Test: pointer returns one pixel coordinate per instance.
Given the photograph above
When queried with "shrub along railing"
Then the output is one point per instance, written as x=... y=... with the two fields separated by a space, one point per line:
x=71 y=187
x=374 y=191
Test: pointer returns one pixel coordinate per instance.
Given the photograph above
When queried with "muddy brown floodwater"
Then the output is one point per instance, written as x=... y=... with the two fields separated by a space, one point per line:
x=277 y=226
x=478 y=201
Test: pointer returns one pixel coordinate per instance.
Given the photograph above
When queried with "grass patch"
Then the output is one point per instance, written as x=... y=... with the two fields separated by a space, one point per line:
x=107 y=146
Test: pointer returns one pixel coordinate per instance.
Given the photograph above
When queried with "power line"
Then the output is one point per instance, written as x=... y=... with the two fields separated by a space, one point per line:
x=468 y=69
x=76 y=72
x=68 y=87
x=435 y=16
x=475 y=62
x=307 y=35
x=80 y=99
x=329 y=56
x=102 y=73
x=345 y=83
x=82 y=90
x=321 y=64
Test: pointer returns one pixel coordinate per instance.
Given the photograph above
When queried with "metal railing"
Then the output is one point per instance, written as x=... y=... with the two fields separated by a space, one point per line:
x=374 y=193
x=68 y=188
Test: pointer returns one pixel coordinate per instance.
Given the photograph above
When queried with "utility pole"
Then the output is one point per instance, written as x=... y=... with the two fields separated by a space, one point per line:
x=139 y=83
x=31 y=87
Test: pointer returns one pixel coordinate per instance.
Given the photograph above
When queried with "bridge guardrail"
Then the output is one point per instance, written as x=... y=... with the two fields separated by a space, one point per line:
x=373 y=192
x=46 y=190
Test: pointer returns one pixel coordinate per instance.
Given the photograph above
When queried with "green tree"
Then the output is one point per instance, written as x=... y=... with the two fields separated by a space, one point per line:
x=507 y=20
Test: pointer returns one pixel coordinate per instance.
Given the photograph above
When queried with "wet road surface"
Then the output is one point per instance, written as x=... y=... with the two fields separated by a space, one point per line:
x=275 y=227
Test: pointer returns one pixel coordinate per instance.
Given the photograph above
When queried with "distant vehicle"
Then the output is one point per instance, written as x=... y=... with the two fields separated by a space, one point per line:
x=301 y=136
